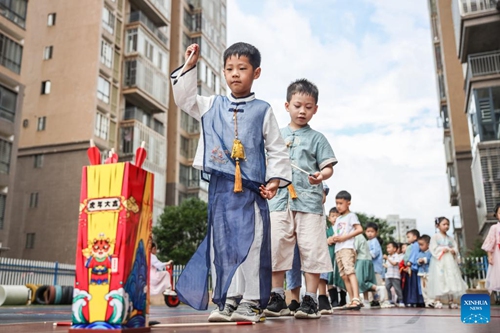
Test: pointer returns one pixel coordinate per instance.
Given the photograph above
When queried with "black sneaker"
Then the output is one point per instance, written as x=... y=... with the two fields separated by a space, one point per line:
x=308 y=309
x=374 y=304
x=323 y=305
x=293 y=306
x=276 y=306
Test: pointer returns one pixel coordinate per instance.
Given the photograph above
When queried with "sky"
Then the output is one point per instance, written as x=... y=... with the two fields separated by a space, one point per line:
x=373 y=64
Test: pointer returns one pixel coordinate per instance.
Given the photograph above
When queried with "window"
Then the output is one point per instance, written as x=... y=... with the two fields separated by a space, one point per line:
x=108 y=20
x=15 y=11
x=38 y=161
x=41 y=124
x=5 y=152
x=188 y=147
x=101 y=129
x=8 y=104
x=3 y=199
x=11 y=54
x=188 y=176
x=106 y=54
x=189 y=124
x=30 y=240
x=51 y=19
x=103 y=90
x=47 y=53
x=131 y=40
x=160 y=60
x=34 y=200
x=45 y=87
x=148 y=50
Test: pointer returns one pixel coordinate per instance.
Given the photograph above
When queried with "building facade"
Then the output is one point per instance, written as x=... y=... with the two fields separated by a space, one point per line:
x=451 y=99
x=202 y=22
x=477 y=27
x=93 y=69
x=401 y=227
x=13 y=14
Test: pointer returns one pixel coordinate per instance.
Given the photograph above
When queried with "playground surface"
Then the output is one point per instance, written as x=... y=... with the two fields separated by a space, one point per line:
x=40 y=319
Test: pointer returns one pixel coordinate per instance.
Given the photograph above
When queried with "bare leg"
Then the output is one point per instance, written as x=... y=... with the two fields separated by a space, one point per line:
x=348 y=288
x=354 y=285
x=312 y=281
x=322 y=287
x=278 y=278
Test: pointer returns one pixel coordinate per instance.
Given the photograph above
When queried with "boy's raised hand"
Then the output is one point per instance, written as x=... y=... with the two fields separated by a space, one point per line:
x=193 y=48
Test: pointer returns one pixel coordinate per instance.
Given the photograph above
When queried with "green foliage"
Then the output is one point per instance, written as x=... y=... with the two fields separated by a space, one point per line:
x=470 y=266
x=180 y=230
x=384 y=230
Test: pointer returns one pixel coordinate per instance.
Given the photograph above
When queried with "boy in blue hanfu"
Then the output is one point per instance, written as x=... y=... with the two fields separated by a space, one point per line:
x=242 y=150
x=298 y=219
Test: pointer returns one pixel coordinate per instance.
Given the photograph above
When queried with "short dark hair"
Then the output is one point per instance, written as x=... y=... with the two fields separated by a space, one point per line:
x=243 y=49
x=425 y=238
x=414 y=232
x=333 y=210
x=343 y=195
x=394 y=244
x=153 y=245
x=372 y=225
x=302 y=86
x=440 y=219
x=497 y=207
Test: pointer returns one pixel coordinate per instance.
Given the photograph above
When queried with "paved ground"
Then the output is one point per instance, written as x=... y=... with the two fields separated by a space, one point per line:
x=40 y=318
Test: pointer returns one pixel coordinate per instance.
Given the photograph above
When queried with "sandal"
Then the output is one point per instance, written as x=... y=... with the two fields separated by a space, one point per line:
x=354 y=305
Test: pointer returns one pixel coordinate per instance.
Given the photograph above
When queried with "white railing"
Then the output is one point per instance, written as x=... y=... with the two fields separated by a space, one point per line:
x=476 y=6
x=484 y=64
x=21 y=271
x=133 y=132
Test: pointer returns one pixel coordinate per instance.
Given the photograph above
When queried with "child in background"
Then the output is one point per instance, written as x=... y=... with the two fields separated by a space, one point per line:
x=445 y=278
x=423 y=259
x=336 y=287
x=393 y=275
x=159 y=277
x=492 y=246
x=365 y=273
x=345 y=229
x=371 y=233
x=411 y=292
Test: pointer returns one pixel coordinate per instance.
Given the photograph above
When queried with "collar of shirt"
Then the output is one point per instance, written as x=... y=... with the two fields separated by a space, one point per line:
x=248 y=98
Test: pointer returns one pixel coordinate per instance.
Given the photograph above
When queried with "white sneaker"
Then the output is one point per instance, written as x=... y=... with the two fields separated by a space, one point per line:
x=222 y=315
x=438 y=305
x=401 y=305
x=248 y=312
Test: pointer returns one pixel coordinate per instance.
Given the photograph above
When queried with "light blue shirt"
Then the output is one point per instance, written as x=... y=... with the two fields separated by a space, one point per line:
x=376 y=253
x=310 y=151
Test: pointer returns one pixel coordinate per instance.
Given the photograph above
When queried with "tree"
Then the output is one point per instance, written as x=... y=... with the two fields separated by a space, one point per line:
x=181 y=229
x=384 y=230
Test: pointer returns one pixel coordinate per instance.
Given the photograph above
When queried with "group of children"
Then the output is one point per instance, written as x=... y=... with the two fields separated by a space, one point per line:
x=250 y=243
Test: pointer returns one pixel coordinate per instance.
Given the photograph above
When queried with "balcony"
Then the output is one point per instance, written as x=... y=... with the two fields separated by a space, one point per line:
x=481 y=67
x=132 y=133
x=477 y=23
x=141 y=17
x=14 y=11
x=158 y=11
x=145 y=85
x=136 y=113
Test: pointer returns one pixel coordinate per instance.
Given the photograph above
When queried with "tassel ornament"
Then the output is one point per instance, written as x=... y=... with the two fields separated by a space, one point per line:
x=237 y=152
x=292 y=192
x=238 y=186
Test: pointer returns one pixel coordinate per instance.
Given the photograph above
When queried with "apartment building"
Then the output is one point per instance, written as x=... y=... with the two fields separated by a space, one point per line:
x=401 y=227
x=93 y=69
x=13 y=14
x=451 y=101
x=202 y=22
x=477 y=27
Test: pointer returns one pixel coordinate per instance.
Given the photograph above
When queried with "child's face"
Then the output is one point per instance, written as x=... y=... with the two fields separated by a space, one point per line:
x=301 y=108
x=370 y=233
x=410 y=238
x=444 y=226
x=403 y=248
x=342 y=205
x=239 y=75
x=424 y=246
x=333 y=217
x=390 y=249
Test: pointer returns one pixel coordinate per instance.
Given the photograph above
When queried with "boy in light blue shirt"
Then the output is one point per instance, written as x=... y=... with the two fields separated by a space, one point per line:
x=371 y=233
x=299 y=220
